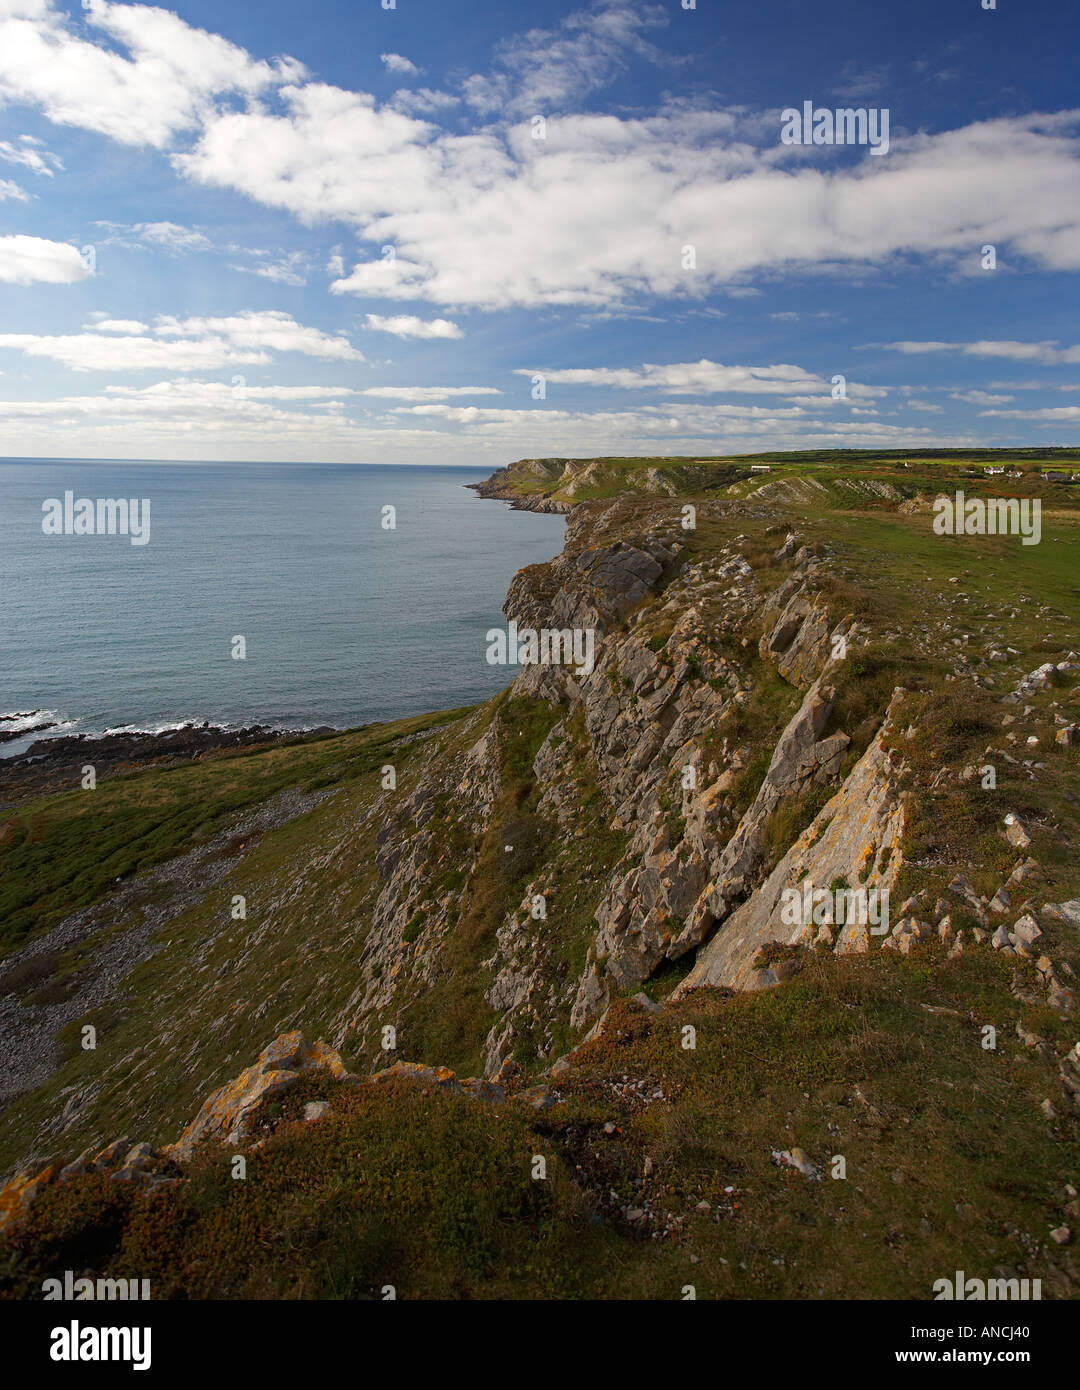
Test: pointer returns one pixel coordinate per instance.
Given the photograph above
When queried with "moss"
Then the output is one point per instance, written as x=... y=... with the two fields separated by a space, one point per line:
x=748 y=782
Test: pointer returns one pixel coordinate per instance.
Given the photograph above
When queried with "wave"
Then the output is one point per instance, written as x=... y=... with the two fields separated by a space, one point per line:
x=26 y=720
x=20 y=728
x=165 y=726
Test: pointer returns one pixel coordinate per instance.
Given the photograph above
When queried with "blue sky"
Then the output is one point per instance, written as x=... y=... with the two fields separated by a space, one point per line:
x=340 y=232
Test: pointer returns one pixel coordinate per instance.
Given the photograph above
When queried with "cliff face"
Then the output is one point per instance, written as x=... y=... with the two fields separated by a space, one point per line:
x=855 y=838
x=677 y=794
x=653 y=720
x=685 y=771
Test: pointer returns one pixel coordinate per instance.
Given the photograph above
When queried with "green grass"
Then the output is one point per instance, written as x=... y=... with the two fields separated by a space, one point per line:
x=689 y=477
x=62 y=853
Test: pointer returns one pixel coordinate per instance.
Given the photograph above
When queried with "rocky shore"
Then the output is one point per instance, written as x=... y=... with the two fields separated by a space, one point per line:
x=14 y=726
x=56 y=764
x=498 y=488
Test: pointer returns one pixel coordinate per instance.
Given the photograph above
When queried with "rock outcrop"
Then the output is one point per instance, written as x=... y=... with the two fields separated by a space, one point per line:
x=855 y=839
x=225 y=1118
x=225 y=1115
x=649 y=715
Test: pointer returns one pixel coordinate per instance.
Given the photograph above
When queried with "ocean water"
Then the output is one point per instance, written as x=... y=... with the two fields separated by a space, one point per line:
x=345 y=622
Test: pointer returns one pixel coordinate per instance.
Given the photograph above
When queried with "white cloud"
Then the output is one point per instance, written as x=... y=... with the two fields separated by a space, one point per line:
x=179 y=399
x=494 y=218
x=592 y=216
x=670 y=428
x=10 y=190
x=1051 y=413
x=100 y=352
x=211 y=392
x=265 y=329
x=172 y=236
x=107 y=325
x=1047 y=352
x=424 y=101
x=211 y=418
x=391 y=277
x=26 y=154
x=185 y=345
x=979 y=397
x=26 y=260
x=290 y=270
x=546 y=70
x=428 y=393
x=214 y=420
x=702 y=378
x=396 y=62
x=168 y=84
x=409 y=326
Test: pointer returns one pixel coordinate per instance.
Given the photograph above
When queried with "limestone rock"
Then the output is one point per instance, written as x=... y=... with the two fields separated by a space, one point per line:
x=1015 y=831
x=225 y=1114
x=1025 y=931
x=17 y=1196
x=798 y=1160
x=478 y=1088
x=856 y=836
x=1067 y=913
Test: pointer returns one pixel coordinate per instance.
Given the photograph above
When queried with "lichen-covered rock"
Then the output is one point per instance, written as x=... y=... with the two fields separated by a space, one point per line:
x=856 y=837
x=668 y=904
x=17 y=1196
x=224 y=1116
x=120 y=1161
x=479 y=1088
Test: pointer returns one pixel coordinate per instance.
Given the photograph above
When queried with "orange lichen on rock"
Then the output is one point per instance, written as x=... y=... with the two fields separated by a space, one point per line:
x=224 y=1116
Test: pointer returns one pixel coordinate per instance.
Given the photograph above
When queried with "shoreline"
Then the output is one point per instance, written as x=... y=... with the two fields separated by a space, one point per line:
x=49 y=764
x=492 y=491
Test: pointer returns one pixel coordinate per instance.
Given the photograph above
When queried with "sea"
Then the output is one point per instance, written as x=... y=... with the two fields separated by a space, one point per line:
x=361 y=592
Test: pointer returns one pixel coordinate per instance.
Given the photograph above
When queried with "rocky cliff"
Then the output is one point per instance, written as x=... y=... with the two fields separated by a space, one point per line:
x=683 y=644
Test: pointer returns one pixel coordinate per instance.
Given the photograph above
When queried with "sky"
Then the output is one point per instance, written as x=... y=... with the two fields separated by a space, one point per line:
x=470 y=231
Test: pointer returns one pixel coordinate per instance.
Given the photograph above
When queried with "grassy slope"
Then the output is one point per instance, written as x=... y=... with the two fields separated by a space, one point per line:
x=948 y=1165
x=218 y=988
x=64 y=852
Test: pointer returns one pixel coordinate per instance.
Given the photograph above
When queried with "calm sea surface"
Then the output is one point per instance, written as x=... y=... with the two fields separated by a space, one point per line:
x=345 y=622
